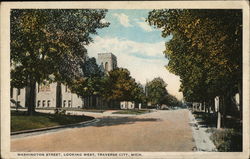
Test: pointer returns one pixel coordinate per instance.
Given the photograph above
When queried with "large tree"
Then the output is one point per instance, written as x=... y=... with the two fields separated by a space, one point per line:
x=49 y=44
x=120 y=86
x=156 y=91
x=205 y=50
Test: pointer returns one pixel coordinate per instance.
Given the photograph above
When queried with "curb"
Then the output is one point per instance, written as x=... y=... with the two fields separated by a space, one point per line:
x=199 y=147
x=53 y=127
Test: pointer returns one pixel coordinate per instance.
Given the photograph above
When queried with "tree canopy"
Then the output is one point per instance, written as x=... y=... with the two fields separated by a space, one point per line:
x=49 y=44
x=51 y=41
x=156 y=91
x=120 y=86
x=92 y=83
x=205 y=49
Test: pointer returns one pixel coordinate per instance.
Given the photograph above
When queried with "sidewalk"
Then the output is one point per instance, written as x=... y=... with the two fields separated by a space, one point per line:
x=201 y=137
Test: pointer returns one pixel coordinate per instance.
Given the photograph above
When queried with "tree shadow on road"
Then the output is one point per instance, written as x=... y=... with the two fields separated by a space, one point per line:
x=111 y=121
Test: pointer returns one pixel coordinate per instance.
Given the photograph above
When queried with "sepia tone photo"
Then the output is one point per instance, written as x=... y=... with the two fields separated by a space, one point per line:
x=90 y=81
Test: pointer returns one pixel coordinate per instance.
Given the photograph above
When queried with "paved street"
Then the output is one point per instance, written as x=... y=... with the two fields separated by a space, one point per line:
x=158 y=131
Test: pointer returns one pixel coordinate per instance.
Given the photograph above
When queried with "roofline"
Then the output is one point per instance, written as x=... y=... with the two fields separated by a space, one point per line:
x=107 y=53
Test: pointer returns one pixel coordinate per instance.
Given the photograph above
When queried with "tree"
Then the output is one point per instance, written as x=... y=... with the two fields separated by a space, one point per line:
x=92 y=83
x=91 y=69
x=120 y=86
x=205 y=51
x=172 y=100
x=138 y=95
x=49 y=44
x=156 y=91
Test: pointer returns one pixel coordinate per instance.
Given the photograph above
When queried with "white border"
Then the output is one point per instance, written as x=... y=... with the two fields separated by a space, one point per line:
x=5 y=63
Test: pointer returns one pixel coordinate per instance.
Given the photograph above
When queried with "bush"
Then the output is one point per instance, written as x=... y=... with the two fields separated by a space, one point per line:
x=227 y=140
x=60 y=111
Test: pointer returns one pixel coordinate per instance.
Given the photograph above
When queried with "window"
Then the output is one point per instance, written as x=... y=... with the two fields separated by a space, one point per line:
x=48 y=103
x=38 y=103
x=11 y=92
x=69 y=103
x=106 y=66
x=43 y=103
x=18 y=91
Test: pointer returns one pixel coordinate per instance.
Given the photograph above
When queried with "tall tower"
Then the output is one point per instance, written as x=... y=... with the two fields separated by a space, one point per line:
x=107 y=61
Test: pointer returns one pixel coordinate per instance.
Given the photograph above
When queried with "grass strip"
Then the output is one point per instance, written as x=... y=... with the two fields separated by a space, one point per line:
x=21 y=121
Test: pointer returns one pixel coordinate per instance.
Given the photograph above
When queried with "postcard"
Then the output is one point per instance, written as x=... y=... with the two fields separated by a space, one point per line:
x=125 y=79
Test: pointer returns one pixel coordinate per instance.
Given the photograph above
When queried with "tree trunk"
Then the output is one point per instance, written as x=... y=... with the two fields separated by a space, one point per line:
x=219 y=120
x=240 y=98
x=218 y=105
x=209 y=106
x=17 y=99
x=205 y=107
x=32 y=97
x=27 y=91
x=223 y=111
x=58 y=95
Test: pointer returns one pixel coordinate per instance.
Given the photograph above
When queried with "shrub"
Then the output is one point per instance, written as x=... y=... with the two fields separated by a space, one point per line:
x=59 y=111
x=227 y=140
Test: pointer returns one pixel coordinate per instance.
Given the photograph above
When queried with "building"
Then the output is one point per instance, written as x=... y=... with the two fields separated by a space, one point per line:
x=107 y=61
x=127 y=105
x=48 y=95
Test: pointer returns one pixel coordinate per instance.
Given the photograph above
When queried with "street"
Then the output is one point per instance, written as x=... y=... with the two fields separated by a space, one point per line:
x=159 y=131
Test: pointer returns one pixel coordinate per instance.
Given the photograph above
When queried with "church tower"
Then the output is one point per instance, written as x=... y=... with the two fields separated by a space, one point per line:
x=107 y=61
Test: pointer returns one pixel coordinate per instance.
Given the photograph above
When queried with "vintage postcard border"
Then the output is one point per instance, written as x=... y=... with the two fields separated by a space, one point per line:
x=5 y=63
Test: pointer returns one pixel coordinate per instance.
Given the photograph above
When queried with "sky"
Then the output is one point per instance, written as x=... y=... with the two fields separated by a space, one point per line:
x=137 y=45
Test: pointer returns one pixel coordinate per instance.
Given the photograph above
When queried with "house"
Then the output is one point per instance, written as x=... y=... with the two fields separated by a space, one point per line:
x=127 y=105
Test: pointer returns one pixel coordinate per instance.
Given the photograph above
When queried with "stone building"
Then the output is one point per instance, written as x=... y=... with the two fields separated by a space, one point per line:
x=108 y=62
x=47 y=95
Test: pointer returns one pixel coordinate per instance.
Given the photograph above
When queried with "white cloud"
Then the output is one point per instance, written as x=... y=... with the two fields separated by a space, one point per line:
x=145 y=26
x=141 y=68
x=142 y=18
x=130 y=47
x=123 y=19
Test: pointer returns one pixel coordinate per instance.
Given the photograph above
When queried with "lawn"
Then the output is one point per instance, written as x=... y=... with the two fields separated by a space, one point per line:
x=227 y=139
x=132 y=111
x=21 y=121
